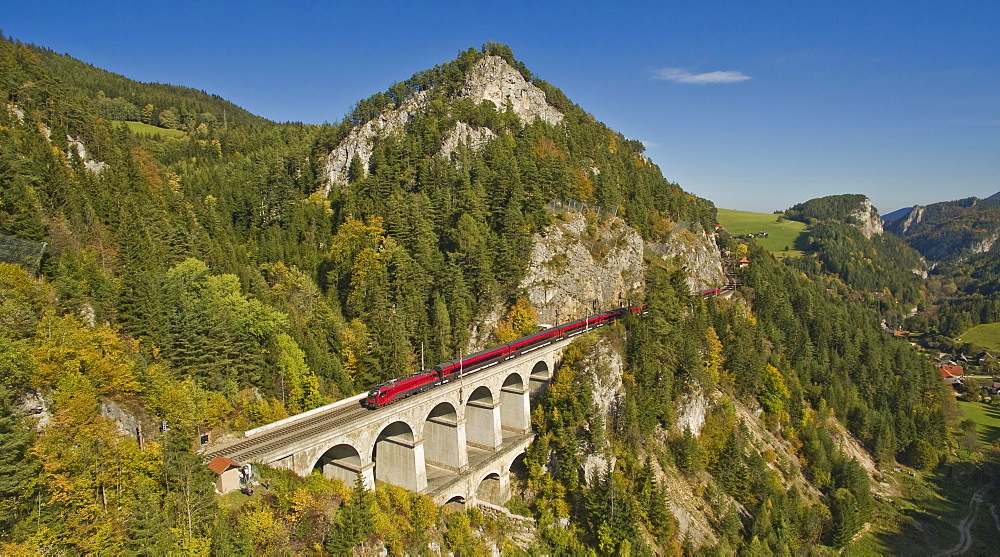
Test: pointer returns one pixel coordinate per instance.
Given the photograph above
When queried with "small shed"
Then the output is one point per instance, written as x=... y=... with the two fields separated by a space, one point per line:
x=744 y=262
x=228 y=472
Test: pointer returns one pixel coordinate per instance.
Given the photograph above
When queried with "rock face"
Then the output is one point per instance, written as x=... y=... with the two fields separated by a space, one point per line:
x=578 y=267
x=916 y=215
x=583 y=264
x=81 y=151
x=464 y=134
x=868 y=219
x=698 y=254
x=493 y=79
x=358 y=144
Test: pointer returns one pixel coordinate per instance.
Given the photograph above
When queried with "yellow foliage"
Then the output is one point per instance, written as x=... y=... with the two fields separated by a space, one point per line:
x=261 y=525
x=521 y=319
x=354 y=340
x=545 y=148
x=584 y=185
x=67 y=344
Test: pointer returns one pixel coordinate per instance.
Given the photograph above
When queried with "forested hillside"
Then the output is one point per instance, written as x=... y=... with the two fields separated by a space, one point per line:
x=951 y=230
x=222 y=280
x=961 y=237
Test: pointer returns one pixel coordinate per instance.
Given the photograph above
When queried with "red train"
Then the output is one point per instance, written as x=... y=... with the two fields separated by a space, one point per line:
x=402 y=387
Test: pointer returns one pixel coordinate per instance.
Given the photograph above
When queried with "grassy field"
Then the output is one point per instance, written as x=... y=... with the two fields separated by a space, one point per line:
x=780 y=235
x=986 y=417
x=986 y=336
x=146 y=129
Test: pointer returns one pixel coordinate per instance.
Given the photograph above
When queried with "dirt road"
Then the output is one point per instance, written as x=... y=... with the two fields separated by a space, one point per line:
x=965 y=527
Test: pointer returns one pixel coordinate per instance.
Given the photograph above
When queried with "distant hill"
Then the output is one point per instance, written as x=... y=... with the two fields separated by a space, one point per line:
x=116 y=97
x=951 y=230
x=896 y=215
x=994 y=196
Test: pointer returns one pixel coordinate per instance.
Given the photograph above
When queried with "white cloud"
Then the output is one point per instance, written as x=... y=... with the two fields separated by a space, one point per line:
x=683 y=76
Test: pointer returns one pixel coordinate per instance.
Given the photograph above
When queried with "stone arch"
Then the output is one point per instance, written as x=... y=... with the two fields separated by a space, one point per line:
x=482 y=420
x=515 y=408
x=518 y=467
x=491 y=489
x=540 y=376
x=455 y=504
x=444 y=440
x=399 y=457
x=341 y=461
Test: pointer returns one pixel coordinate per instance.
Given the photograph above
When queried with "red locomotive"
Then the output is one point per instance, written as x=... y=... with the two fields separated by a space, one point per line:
x=402 y=387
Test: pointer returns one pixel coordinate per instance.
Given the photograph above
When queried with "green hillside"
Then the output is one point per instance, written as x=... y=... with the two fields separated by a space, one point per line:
x=140 y=128
x=984 y=336
x=785 y=238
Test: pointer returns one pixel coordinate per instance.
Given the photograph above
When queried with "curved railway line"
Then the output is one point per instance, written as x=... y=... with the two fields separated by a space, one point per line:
x=280 y=437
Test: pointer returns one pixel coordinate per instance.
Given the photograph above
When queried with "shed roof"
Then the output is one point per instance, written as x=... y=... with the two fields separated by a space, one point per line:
x=220 y=464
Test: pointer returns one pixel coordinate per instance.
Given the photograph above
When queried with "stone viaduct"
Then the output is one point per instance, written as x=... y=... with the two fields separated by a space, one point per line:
x=456 y=443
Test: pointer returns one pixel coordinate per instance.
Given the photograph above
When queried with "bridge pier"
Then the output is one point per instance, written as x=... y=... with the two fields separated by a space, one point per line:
x=515 y=409
x=401 y=463
x=482 y=425
x=445 y=444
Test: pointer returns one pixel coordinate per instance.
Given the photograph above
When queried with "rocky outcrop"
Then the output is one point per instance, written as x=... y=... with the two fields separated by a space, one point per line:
x=493 y=79
x=868 y=219
x=986 y=244
x=358 y=144
x=697 y=253
x=464 y=134
x=579 y=266
x=916 y=215
x=81 y=151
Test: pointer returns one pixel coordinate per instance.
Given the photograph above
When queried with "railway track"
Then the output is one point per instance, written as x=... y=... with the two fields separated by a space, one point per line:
x=272 y=441
x=267 y=442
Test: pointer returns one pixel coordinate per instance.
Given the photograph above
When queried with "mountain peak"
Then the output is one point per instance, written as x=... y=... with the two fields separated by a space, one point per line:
x=490 y=78
x=493 y=79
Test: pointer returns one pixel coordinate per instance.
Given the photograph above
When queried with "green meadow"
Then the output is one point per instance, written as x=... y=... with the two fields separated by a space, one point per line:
x=787 y=238
x=146 y=129
x=985 y=336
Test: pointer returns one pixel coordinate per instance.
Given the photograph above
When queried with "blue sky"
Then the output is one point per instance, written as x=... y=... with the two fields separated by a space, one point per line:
x=754 y=105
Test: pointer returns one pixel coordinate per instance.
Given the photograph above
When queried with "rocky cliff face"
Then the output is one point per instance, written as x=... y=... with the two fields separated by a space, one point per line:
x=492 y=79
x=868 y=219
x=697 y=253
x=582 y=265
x=358 y=144
x=464 y=134
x=916 y=215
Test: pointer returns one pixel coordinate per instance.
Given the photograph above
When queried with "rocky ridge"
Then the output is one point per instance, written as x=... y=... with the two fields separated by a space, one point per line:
x=490 y=79
x=359 y=143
